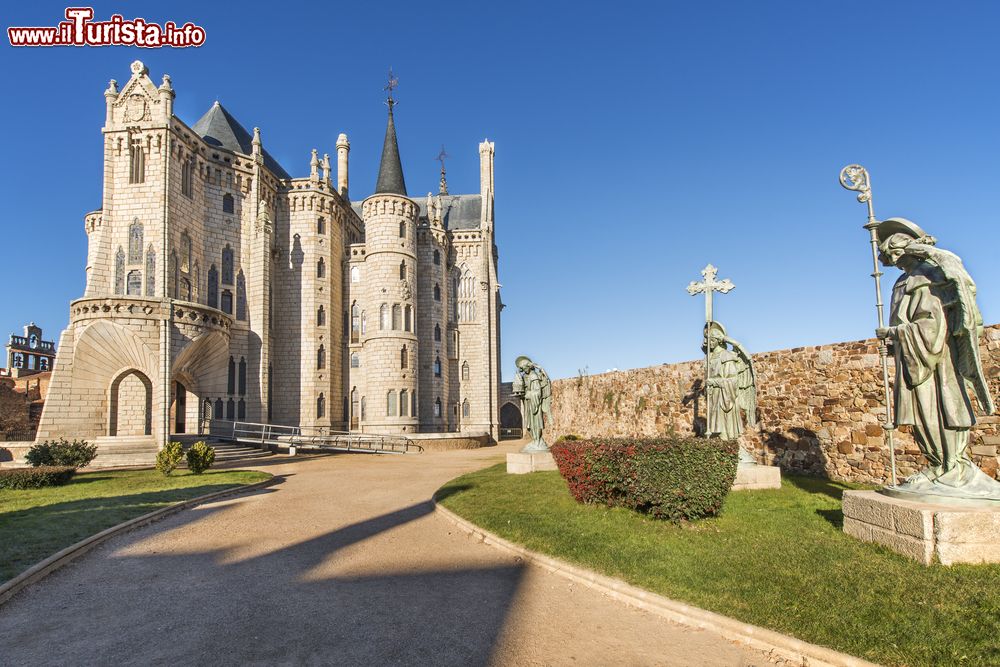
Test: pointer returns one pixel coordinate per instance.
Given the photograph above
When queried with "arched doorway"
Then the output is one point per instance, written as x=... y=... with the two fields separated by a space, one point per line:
x=180 y=408
x=131 y=405
x=511 y=426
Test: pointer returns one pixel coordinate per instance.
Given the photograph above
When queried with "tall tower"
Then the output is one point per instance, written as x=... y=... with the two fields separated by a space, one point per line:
x=389 y=359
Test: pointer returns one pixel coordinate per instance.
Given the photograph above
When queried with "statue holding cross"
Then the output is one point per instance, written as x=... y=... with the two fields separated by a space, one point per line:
x=730 y=380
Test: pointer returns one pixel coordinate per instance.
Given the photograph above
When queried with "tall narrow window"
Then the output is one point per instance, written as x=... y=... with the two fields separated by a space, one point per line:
x=321 y=268
x=355 y=407
x=231 y=409
x=150 y=271
x=227 y=265
x=404 y=403
x=355 y=360
x=437 y=257
x=390 y=403
x=320 y=317
x=355 y=274
x=213 y=287
x=383 y=316
x=241 y=296
x=134 y=286
x=218 y=413
x=187 y=178
x=437 y=407
x=137 y=161
x=135 y=242
x=320 y=226
x=364 y=414
x=465 y=370
x=437 y=333
x=466 y=408
x=120 y=271
x=185 y=252
x=231 y=385
x=320 y=406
x=364 y=323
x=402 y=229
x=413 y=403
x=241 y=409
x=397 y=316
x=402 y=270
x=404 y=357
x=321 y=358
x=355 y=323
x=175 y=275
x=227 y=203
x=437 y=292
x=243 y=377
x=226 y=304
x=408 y=318
x=437 y=367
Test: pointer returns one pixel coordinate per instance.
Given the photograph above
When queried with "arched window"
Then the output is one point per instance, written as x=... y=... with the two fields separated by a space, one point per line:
x=437 y=292
x=320 y=406
x=137 y=161
x=18 y=360
x=213 y=287
x=227 y=302
x=404 y=403
x=404 y=357
x=218 y=414
x=321 y=268
x=185 y=252
x=227 y=203
x=243 y=377
x=241 y=409
x=408 y=318
x=185 y=289
x=355 y=323
x=231 y=409
x=120 y=271
x=467 y=297
x=150 y=271
x=466 y=408
x=383 y=316
x=134 y=283
x=437 y=407
x=320 y=226
x=402 y=270
x=390 y=403
x=187 y=178
x=397 y=316
x=437 y=257
x=321 y=358
x=231 y=385
x=437 y=333
x=437 y=367
x=465 y=370
x=402 y=229
x=227 y=265
x=355 y=274
x=364 y=410
x=355 y=360
x=241 y=296
x=320 y=317
x=355 y=407
x=135 y=242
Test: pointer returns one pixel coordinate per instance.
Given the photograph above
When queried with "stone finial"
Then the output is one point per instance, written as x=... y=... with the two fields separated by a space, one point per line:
x=256 y=141
x=314 y=166
x=112 y=90
x=166 y=84
x=139 y=69
x=343 y=148
x=326 y=168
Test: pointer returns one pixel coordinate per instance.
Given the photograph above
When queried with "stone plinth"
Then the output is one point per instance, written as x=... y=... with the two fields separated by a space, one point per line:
x=757 y=477
x=519 y=463
x=922 y=531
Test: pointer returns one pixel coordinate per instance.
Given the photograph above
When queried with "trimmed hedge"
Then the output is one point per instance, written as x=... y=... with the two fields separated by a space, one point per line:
x=35 y=478
x=78 y=453
x=676 y=479
x=200 y=457
x=168 y=458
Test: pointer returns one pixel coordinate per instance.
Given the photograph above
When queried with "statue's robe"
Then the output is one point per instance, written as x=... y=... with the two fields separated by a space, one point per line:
x=723 y=413
x=531 y=385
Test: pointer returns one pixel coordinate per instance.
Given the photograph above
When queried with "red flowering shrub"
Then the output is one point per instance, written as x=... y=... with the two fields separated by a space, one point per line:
x=677 y=479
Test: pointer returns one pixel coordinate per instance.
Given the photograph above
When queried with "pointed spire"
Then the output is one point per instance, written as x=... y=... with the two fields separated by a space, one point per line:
x=314 y=166
x=390 y=171
x=443 y=185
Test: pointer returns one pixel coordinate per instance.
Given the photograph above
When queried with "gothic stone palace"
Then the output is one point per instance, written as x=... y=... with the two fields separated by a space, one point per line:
x=220 y=287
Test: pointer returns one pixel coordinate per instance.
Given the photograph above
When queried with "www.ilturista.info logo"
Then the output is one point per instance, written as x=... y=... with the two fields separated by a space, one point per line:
x=80 y=30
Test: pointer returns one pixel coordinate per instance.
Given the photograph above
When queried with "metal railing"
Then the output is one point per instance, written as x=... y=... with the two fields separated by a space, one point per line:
x=17 y=435
x=510 y=433
x=313 y=438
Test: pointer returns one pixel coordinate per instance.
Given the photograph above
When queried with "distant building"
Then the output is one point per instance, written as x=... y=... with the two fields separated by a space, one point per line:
x=29 y=354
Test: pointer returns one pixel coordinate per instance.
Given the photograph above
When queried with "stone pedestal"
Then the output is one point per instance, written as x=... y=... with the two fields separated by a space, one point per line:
x=757 y=477
x=519 y=463
x=925 y=532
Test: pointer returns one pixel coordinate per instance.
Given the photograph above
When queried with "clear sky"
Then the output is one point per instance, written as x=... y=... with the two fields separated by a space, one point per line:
x=635 y=142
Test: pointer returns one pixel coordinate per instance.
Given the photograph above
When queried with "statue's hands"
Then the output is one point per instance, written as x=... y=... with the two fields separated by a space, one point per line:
x=885 y=333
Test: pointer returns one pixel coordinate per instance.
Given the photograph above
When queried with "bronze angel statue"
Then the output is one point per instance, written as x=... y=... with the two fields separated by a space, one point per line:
x=732 y=387
x=933 y=334
x=531 y=383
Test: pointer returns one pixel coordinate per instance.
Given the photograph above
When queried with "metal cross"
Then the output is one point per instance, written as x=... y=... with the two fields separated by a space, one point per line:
x=441 y=157
x=389 y=87
x=709 y=285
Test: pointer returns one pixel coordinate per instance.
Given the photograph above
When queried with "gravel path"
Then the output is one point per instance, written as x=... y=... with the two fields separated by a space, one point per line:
x=342 y=563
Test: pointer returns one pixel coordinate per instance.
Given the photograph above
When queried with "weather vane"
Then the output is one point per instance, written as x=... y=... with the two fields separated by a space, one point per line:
x=389 y=87
x=443 y=188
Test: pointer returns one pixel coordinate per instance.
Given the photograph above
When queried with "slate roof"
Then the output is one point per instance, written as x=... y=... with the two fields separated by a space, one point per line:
x=460 y=211
x=218 y=128
x=390 y=169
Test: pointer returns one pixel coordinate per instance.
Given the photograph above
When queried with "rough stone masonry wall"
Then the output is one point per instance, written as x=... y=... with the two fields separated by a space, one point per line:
x=820 y=409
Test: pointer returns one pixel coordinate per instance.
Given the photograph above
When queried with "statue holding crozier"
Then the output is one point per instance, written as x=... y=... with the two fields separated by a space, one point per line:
x=532 y=385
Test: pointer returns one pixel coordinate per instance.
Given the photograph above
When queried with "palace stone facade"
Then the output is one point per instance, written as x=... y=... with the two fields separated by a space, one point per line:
x=220 y=287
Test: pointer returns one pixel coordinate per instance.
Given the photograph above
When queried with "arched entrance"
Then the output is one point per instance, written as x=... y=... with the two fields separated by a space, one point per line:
x=511 y=426
x=131 y=405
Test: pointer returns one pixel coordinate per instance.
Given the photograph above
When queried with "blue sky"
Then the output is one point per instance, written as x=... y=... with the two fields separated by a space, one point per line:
x=635 y=142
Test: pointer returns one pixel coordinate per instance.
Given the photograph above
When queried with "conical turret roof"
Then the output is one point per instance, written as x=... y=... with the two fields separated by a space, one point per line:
x=390 y=171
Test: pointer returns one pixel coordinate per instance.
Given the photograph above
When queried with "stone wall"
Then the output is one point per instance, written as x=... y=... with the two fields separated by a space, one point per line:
x=820 y=409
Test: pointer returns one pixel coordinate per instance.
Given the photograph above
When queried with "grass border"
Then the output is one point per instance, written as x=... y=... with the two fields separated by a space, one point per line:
x=755 y=637
x=43 y=568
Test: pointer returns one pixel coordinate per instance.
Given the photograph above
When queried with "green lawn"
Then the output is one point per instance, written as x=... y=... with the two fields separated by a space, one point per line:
x=774 y=558
x=36 y=523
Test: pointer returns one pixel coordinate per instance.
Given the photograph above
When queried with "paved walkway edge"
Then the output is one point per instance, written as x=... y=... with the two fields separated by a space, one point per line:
x=42 y=569
x=761 y=639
